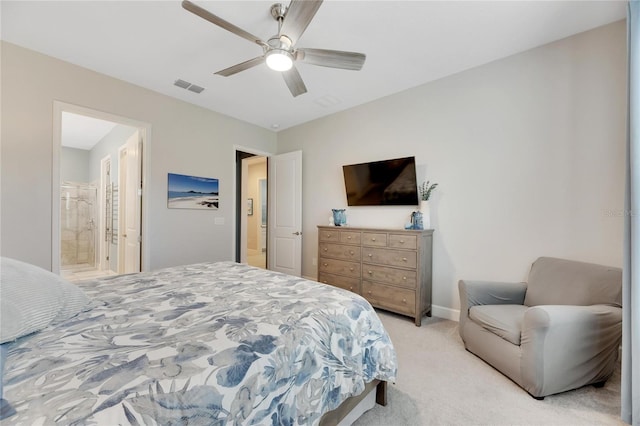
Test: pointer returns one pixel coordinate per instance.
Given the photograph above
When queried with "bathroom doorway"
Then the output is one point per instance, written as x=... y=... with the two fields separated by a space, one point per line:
x=256 y=196
x=93 y=203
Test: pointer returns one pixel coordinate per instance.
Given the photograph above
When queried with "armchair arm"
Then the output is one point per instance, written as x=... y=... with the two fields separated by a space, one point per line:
x=565 y=347
x=474 y=293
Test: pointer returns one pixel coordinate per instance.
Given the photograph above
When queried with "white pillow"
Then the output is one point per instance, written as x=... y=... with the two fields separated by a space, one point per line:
x=31 y=298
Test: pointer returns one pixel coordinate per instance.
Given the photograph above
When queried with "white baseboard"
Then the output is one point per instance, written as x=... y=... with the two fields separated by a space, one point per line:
x=446 y=313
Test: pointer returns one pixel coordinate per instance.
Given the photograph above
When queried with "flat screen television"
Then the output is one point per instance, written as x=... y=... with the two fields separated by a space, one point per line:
x=382 y=183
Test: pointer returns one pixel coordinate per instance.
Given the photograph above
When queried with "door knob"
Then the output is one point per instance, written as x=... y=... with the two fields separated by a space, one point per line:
x=297 y=233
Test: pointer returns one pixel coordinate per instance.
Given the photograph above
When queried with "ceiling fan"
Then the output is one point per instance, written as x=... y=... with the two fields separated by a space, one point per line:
x=280 y=51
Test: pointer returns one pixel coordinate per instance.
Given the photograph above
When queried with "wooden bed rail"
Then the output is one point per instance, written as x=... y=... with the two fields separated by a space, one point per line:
x=334 y=417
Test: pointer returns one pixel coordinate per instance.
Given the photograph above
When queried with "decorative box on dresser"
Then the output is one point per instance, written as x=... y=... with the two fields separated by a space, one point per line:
x=391 y=268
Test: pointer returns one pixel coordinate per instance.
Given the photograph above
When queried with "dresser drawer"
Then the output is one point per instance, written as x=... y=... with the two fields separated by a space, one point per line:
x=371 y=239
x=347 y=283
x=401 y=277
x=326 y=235
x=407 y=259
x=340 y=251
x=392 y=298
x=342 y=267
x=350 y=237
x=403 y=241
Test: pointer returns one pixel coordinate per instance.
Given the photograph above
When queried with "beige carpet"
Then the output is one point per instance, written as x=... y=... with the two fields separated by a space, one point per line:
x=440 y=383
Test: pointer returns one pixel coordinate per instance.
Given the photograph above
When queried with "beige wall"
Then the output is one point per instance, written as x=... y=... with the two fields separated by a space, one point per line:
x=184 y=139
x=528 y=152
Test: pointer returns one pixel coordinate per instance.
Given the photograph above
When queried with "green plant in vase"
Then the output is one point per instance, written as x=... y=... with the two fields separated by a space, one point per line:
x=425 y=190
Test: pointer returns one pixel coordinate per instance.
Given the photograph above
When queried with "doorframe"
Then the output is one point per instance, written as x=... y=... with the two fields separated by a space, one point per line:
x=145 y=135
x=122 y=205
x=238 y=212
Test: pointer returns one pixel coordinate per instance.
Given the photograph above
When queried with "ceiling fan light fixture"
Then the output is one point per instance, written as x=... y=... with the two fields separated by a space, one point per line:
x=279 y=60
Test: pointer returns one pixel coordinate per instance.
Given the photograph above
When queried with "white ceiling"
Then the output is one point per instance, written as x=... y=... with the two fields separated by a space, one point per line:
x=407 y=43
x=81 y=132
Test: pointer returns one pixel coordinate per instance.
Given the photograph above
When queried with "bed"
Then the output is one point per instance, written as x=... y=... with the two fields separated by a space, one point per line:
x=211 y=343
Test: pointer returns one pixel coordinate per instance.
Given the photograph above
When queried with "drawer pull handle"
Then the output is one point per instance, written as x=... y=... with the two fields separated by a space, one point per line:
x=370 y=255
x=401 y=241
x=351 y=288
x=404 y=300
x=351 y=252
x=325 y=249
x=324 y=264
x=404 y=259
x=404 y=278
x=370 y=272
x=351 y=269
x=349 y=237
x=373 y=239
x=369 y=293
x=328 y=235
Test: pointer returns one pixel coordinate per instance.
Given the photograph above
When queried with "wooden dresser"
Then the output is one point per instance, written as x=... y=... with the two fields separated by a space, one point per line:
x=391 y=268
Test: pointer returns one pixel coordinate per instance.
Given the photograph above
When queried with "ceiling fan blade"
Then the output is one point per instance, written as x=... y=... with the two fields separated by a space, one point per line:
x=241 y=66
x=332 y=58
x=294 y=82
x=205 y=14
x=298 y=16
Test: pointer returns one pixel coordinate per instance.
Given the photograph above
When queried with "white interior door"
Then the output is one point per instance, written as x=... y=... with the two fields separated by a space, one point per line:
x=285 y=213
x=130 y=196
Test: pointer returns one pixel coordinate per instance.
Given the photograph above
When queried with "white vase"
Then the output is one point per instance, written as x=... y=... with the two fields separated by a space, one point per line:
x=426 y=214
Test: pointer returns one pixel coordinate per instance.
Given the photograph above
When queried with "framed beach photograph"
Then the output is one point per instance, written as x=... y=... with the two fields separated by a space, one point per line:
x=193 y=192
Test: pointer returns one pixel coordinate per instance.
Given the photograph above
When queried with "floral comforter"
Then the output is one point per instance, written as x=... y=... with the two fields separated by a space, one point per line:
x=206 y=344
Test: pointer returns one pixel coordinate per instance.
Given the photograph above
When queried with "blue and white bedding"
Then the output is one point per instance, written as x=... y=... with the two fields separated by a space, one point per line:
x=206 y=344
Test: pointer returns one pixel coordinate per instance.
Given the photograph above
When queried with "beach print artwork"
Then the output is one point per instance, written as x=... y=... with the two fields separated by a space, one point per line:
x=192 y=192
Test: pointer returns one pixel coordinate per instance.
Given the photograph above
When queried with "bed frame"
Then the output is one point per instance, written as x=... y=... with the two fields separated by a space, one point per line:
x=334 y=417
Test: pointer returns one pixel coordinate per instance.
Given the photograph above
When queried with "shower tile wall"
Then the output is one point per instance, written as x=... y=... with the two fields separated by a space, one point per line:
x=78 y=228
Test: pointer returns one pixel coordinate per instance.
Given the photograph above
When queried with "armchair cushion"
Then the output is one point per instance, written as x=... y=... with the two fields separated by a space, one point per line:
x=503 y=320
x=567 y=282
x=492 y=292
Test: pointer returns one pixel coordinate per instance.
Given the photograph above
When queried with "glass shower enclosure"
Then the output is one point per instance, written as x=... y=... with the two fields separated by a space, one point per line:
x=78 y=224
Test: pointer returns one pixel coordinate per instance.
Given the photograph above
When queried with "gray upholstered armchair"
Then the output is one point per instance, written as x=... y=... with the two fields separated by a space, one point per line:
x=559 y=331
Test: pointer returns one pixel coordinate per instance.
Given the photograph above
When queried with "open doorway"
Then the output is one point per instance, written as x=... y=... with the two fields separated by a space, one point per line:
x=251 y=220
x=100 y=195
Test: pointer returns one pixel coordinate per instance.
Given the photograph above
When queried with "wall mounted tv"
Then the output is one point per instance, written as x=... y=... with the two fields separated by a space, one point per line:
x=386 y=183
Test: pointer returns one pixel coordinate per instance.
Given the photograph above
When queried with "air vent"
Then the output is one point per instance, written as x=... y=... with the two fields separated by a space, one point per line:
x=327 y=101
x=195 y=88
x=186 y=85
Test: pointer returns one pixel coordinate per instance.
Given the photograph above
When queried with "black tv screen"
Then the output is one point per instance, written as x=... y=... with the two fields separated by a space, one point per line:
x=382 y=183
